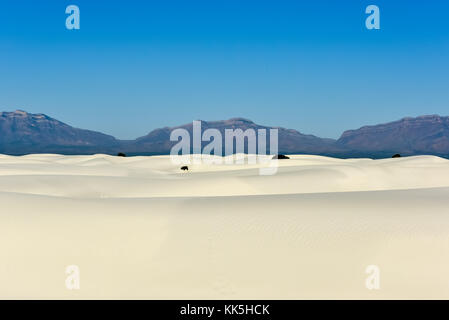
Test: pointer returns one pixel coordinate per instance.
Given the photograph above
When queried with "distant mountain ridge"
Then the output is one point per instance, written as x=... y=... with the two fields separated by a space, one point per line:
x=409 y=136
x=290 y=140
x=24 y=133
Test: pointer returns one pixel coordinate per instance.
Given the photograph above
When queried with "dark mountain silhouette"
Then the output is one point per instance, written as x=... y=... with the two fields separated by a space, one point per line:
x=24 y=133
x=290 y=141
x=408 y=136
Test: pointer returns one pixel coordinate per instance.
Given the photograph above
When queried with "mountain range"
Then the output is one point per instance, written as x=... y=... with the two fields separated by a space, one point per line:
x=24 y=133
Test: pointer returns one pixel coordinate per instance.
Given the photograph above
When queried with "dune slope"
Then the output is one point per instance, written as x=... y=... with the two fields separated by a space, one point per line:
x=140 y=228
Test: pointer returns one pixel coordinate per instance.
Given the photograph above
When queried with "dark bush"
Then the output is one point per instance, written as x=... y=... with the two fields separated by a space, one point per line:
x=280 y=156
x=397 y=155
x=121 y=154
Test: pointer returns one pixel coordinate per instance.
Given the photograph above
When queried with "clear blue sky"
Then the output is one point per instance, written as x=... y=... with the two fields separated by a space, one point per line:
x=308 y=65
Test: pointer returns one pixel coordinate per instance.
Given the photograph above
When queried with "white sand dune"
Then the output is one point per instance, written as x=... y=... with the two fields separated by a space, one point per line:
x=138 y=227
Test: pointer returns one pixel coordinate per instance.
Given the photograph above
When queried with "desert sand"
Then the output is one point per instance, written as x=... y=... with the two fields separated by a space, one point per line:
x=139 y=228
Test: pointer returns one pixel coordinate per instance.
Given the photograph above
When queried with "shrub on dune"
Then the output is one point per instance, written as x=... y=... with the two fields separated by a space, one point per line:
x=280 y=156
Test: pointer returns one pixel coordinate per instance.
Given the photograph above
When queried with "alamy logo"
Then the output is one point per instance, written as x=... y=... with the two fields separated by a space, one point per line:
x=73 y=20
x=372 y=282
x=185 y=152
x=373 y=20
x=72 y=282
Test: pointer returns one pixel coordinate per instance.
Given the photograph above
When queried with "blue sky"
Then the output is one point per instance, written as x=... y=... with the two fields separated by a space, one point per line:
x=308 y=65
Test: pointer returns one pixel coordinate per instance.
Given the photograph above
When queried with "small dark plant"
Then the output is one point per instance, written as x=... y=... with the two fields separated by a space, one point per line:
x=280 y=156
